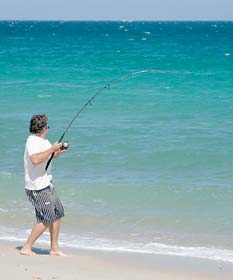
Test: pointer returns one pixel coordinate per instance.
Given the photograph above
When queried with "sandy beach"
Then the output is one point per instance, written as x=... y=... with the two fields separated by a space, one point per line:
x=93 y=265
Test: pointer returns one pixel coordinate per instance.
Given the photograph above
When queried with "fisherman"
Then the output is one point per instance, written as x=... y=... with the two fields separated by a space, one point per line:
x=39 y=187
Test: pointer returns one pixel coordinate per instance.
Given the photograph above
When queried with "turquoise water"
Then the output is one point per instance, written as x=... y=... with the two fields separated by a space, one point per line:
x=150 y=165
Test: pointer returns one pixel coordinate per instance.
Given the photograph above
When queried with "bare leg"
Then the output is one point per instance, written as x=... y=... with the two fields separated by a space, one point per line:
x=36 y=232
x=54 y=230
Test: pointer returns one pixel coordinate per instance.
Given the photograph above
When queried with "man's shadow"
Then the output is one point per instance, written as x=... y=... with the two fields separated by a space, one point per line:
x=36 y=250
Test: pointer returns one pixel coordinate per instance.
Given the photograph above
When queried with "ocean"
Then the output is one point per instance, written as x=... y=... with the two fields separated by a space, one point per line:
x=149 y=167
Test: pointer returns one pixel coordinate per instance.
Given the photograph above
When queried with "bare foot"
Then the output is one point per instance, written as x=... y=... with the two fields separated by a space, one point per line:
x=27 y=252
x=57 y=253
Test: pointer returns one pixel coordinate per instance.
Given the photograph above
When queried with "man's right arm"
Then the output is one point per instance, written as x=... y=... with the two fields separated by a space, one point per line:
x=43 y=156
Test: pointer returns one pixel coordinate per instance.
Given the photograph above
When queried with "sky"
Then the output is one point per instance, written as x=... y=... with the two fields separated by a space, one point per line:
x=116 y=9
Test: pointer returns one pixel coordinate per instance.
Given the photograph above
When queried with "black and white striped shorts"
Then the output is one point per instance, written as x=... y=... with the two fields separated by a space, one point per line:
x=47 y=204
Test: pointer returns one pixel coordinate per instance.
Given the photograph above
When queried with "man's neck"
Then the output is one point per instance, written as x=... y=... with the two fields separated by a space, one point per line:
x=41 y=135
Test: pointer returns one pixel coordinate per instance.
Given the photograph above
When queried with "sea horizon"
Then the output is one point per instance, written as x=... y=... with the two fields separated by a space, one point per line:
x=120 y=20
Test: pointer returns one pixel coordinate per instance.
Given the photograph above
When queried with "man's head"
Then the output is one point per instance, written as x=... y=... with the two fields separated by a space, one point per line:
x=38 y=123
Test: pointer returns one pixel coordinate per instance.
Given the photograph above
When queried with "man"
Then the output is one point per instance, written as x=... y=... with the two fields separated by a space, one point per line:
x=38 y=185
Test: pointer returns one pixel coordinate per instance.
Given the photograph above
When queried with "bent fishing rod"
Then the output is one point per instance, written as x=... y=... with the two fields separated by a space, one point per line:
x=89 y=102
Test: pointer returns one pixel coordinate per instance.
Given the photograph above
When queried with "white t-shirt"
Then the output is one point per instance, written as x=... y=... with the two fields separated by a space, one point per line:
x=36 y=178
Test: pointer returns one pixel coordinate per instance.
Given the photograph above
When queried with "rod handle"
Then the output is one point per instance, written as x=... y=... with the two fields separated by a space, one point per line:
x=48 y=162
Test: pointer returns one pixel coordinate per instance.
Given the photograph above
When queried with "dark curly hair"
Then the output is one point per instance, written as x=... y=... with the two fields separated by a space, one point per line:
x=37 y=123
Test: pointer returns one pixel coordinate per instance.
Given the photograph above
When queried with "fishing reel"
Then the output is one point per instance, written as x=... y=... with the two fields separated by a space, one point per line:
x=65 y=146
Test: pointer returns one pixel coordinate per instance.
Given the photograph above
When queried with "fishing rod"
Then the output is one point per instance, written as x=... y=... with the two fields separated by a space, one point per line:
x=89 y=102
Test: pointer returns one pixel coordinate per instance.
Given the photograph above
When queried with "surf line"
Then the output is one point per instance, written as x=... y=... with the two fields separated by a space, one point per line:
x=89 y=102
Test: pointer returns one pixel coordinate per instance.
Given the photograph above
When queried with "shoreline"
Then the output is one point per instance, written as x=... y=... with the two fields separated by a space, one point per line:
x=88 y=265
x=98 y=245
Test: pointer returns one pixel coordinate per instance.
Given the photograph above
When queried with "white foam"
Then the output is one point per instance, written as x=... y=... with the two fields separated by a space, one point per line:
x=4 y=210
x=196 y=252
x=6 y=173
x=100 y=244
x=43 y=95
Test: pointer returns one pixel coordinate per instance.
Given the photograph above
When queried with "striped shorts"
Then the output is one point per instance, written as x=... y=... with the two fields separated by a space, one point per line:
x=48 y=207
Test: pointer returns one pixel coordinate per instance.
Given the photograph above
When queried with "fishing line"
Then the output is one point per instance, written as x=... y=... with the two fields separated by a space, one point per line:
x=89 y=102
